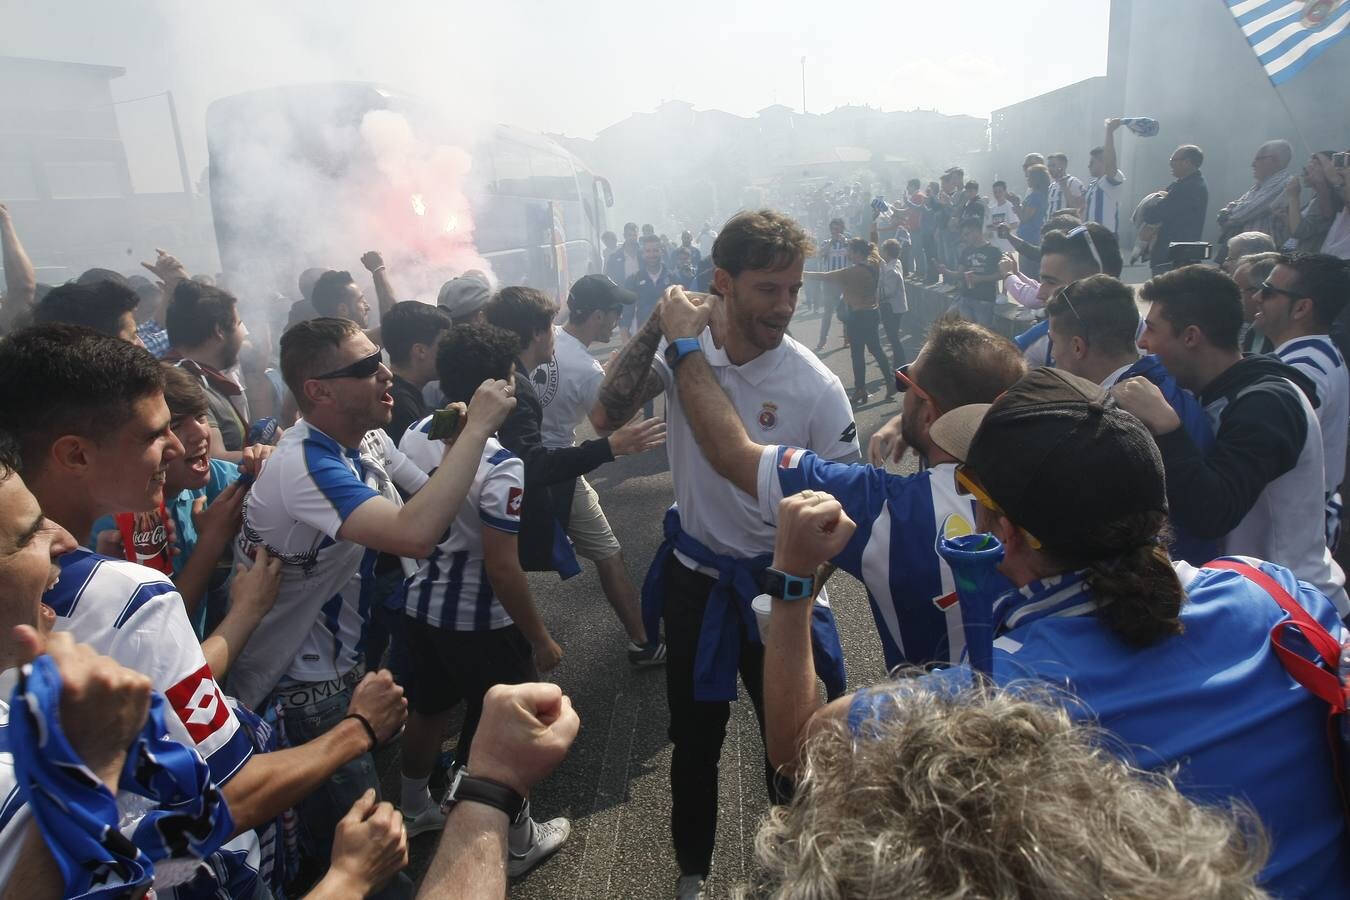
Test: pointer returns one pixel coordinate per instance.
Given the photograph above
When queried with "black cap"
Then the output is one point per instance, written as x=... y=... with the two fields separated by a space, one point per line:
x=1060 y=458
x=598 y=292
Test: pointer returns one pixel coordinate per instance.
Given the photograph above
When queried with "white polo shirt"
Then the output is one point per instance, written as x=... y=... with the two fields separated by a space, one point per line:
x=451 y=589
x=305 y=491
x=1317 y=357
x=784 y=396
x=567 y=386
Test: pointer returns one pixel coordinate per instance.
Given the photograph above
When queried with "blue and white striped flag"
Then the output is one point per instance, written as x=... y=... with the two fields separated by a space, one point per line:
x=1288 y=34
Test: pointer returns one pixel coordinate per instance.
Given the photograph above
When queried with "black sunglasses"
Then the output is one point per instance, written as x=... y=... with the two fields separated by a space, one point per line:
x=362 y=368
x=1269 y=290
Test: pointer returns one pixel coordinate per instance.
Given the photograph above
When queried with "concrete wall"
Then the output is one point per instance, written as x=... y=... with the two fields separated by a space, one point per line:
x=1068 y=120
x=1190 y=67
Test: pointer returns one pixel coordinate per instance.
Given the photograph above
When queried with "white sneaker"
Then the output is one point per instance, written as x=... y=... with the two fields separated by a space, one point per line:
x=548 y=837
x=689 y=887
x=429 y=819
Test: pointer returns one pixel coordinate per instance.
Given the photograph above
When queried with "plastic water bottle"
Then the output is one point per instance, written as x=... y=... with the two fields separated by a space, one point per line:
x=1141 y=125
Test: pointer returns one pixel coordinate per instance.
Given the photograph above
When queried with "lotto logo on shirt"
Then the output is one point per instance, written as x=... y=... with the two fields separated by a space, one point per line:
x=199 y=704
x=513 y=500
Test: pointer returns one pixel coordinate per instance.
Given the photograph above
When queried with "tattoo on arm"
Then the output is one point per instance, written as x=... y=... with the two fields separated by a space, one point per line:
x=631 y=381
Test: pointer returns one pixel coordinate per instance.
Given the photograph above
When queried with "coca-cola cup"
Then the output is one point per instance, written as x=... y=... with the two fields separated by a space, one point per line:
x=145 y=538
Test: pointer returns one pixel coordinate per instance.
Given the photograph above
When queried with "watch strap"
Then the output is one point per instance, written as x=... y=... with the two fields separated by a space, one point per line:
x=679 y=348
x=485 y=790
x=788 y=587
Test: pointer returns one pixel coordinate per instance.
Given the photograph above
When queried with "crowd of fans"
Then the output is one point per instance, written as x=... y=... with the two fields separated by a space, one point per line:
x=236 y=566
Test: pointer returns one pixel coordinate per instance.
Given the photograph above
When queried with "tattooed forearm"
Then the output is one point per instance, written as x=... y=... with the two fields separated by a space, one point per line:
x=630 y=381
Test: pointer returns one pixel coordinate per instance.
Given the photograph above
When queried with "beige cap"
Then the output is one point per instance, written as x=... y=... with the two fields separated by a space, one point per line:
x=953 y=431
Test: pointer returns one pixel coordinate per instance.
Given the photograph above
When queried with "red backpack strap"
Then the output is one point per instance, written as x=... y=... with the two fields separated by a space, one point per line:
x=1322 y=679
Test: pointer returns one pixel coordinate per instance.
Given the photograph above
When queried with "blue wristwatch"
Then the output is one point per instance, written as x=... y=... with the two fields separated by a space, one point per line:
x=788 y=587
x=679 y=348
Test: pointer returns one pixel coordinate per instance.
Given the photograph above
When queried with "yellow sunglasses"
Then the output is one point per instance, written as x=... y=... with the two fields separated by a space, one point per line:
x=967 y=483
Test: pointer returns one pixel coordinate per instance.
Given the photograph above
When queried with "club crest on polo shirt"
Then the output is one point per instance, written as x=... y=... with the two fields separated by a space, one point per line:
x=513 y=500
x=768 y=416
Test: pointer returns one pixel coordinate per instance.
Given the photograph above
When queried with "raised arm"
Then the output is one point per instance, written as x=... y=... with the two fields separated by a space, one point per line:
x=717 y=428
x=384 y=293
x=812 y=529
x=414 y=529
x=1109 y=160
x=20 y=277
x=630 y=381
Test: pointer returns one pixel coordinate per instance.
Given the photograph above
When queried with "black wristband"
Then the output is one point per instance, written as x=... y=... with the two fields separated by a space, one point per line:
x=370 y=729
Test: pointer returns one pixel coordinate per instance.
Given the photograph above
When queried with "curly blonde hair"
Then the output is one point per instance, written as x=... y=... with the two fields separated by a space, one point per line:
x=986 y=793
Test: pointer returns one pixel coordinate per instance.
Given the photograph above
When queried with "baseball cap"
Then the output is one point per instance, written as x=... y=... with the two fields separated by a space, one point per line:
x=1060 y=458
x=464 y=295
x=598 y=292
x=953 y=431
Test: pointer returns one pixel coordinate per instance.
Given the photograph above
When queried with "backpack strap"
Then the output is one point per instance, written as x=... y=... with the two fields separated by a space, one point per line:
x=1322 y=679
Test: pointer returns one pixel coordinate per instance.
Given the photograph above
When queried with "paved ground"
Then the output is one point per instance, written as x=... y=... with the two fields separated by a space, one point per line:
x=614 y=785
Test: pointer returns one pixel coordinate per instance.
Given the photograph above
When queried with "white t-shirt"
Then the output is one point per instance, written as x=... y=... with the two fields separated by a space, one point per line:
x=1317 y=357
x=305 y=491
x=1337 y=241
x=705 y=241
x=784 y=396
x=1101 y=200
x=567 y=386
x=451 y=589
x=996 y=214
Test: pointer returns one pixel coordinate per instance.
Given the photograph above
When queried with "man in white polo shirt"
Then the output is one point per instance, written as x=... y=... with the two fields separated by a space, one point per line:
x=911 y=589
x=324 y=504
x=1296 y=305
x=717 y=544
x=1101 y=197
x=568 y=385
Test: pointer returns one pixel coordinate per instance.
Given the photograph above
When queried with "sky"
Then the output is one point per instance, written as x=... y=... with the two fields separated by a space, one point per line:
x=571 y=67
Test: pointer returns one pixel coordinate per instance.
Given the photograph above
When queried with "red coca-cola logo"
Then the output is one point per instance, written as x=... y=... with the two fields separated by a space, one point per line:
x=148 y=535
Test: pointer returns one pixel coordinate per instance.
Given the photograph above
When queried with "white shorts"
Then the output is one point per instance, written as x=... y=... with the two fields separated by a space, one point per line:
x=592 y=538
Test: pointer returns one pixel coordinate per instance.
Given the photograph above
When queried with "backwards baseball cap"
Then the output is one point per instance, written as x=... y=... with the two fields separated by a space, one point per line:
x=464 y=295
x=1057 y=455
x=597 y=292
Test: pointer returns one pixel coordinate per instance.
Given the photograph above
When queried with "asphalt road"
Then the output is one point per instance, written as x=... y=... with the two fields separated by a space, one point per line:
x=614 y=785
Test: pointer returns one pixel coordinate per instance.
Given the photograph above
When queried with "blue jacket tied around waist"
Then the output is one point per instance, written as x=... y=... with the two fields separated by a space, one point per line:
x=728 y=611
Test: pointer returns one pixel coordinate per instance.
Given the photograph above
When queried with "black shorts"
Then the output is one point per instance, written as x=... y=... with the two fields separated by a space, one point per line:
x=449 y=666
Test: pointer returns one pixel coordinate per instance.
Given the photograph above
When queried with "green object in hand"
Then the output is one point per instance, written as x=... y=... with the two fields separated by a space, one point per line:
x=444 y=424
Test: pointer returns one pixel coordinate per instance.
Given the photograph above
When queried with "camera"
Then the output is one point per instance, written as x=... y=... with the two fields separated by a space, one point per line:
x=1341 y=160
x=1183 y=253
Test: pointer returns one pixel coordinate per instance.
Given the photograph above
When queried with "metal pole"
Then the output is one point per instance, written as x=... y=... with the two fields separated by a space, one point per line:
x=178 y=144
x=803 y=85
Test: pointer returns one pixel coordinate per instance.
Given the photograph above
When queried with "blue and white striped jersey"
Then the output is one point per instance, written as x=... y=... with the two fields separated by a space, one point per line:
x=134 y=615
x=910 y=587
x=307 y=488
x=1317 y=357
x=1101 y=201
x=451 y=588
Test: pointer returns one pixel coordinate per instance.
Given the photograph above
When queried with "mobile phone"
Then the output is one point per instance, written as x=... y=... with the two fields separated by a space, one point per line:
x=444 y=424
x=1341 y=160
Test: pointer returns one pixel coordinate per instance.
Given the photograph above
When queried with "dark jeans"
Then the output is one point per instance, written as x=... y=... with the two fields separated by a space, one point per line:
x=385 y=631
x=864 y=333
x=321 y=810
x=697 y=728
x=833 y=304
x=890 y=320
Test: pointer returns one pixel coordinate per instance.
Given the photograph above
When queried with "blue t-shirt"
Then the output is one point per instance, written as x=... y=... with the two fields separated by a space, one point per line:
x=1215 y=701
x=1034 y=206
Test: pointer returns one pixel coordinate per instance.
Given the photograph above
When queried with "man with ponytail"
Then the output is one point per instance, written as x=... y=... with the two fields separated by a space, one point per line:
x=1174 y=661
